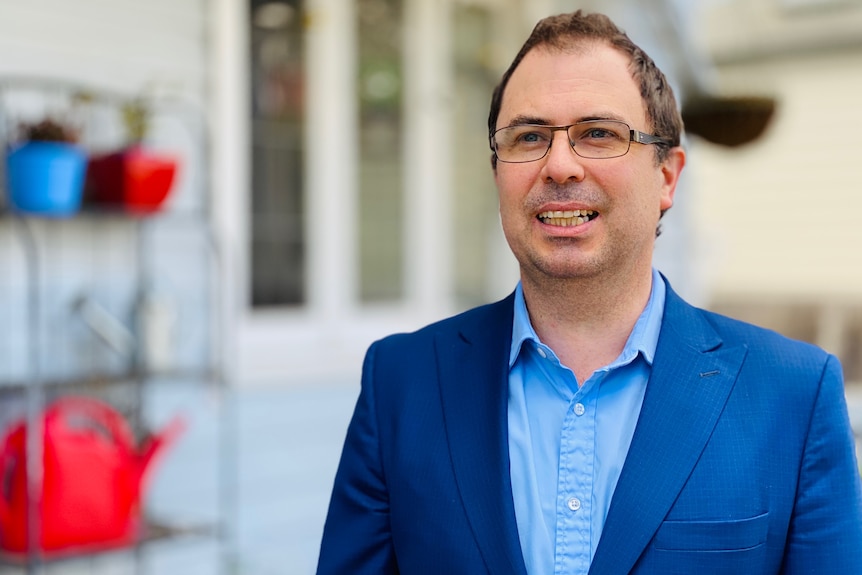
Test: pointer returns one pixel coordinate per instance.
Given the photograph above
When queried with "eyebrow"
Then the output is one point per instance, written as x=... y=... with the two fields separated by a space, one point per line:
x=521 y=120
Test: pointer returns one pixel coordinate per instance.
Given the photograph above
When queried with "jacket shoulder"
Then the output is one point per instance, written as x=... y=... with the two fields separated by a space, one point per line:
x=704 y=329
x=758 y=337
x=481 y=319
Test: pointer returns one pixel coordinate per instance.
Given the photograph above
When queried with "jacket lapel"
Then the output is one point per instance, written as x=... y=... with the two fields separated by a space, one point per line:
x=692 y=376
x=474 y=393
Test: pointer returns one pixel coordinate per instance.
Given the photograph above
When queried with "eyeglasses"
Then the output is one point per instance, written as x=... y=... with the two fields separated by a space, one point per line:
x=595 y=139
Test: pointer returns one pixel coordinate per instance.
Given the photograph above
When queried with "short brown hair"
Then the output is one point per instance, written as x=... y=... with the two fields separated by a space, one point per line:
x=566 y=30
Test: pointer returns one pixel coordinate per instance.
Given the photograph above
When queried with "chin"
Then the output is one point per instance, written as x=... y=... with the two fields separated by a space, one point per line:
x=568 y=269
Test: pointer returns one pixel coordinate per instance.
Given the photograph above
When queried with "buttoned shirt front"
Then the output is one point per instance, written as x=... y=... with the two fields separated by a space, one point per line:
x=568 y=443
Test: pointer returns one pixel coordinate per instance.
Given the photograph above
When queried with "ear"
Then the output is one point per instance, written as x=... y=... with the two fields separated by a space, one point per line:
x=670 y=170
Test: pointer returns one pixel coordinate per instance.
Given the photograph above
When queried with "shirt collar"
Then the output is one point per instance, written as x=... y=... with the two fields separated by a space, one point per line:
x=643 y=338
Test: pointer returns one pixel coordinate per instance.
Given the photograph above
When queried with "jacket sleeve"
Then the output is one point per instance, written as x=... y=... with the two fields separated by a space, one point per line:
x=357 y=536
x=826 y=527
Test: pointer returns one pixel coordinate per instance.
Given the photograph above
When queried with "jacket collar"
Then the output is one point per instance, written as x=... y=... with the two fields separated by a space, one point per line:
x=692 y=377
x=474 y=391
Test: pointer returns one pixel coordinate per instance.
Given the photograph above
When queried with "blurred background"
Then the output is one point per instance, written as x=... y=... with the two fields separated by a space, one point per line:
x=325 y=180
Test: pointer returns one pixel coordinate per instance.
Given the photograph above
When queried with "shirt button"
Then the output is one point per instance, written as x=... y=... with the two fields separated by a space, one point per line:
x=542 y=352
x=579 y=409
x=574 y=503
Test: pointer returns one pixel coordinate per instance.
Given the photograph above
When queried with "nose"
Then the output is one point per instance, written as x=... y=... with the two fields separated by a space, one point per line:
x=562 y=164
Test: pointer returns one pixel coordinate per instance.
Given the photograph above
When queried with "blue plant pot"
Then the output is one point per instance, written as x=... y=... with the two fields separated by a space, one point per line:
x=46 y=178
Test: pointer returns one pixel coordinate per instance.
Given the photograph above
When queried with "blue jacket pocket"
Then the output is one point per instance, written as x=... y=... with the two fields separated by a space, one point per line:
x=733 y=535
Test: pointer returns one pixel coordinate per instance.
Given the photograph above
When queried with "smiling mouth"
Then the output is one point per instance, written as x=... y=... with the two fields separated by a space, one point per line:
x=568 y=218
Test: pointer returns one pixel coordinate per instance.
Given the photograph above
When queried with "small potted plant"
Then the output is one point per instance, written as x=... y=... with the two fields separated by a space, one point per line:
x=45 y=169
x=134 y=178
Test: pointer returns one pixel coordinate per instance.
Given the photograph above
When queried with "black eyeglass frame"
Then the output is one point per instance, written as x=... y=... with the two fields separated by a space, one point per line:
x=635 y=136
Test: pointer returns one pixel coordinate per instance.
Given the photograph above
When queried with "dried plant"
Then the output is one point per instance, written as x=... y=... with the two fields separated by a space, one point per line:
x=136 y=119
x=48 y=130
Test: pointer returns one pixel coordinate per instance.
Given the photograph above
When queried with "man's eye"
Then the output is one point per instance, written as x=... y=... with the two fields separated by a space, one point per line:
x=532 y=138
x=599 y=134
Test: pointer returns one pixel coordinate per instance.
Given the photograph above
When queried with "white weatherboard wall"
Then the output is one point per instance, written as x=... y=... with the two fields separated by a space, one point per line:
x=120 y=44
x=784 y=211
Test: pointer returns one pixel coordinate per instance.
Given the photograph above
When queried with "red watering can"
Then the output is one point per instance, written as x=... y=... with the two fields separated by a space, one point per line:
x=93 y=478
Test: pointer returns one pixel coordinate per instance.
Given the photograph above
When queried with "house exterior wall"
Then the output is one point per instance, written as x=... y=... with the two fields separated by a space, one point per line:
x=783 y=210
x=779 y=214
x=119 y=44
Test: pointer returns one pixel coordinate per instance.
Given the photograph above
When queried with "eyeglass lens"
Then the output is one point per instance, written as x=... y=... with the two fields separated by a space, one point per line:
x=591 y=139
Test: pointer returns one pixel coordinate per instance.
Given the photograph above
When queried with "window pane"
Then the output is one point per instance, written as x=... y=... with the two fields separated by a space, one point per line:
x=380 y=133
x=278 y=250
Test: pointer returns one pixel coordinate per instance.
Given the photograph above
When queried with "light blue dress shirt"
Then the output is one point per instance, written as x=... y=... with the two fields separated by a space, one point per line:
x=567 y=444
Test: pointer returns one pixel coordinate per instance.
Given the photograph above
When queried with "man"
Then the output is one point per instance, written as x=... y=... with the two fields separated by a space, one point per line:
x=593 y=421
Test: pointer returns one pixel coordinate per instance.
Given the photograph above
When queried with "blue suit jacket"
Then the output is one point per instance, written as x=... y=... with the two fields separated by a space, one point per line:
x=742 y=461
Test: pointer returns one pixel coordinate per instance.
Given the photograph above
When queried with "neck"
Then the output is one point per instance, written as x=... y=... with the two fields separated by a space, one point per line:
x=586 y=321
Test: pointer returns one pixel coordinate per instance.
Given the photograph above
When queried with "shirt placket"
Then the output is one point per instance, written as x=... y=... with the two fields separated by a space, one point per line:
x=575 y=485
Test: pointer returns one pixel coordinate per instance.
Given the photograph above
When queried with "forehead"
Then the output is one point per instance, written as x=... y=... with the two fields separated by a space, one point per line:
x=564 y=86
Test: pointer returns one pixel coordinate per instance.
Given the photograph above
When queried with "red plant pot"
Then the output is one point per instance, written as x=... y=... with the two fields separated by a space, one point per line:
x=135 y=179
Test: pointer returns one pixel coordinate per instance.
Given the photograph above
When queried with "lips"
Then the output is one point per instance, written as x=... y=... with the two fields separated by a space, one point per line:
x=569 y=218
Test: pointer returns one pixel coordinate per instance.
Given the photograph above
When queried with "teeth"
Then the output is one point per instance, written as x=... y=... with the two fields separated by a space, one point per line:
x=566 y=218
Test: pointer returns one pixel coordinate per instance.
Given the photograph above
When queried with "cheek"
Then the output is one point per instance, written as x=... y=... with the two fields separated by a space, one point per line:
x=512 y=187
x=647 y=190
x=509 y=214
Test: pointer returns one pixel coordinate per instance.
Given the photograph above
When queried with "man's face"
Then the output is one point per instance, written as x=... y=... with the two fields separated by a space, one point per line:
x=622 y=197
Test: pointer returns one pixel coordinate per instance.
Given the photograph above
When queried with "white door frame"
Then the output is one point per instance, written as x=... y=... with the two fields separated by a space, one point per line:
x=327 y=337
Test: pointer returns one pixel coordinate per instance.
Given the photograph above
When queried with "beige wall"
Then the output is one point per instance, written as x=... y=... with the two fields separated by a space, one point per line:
x=780 y=215
x=784 y=212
